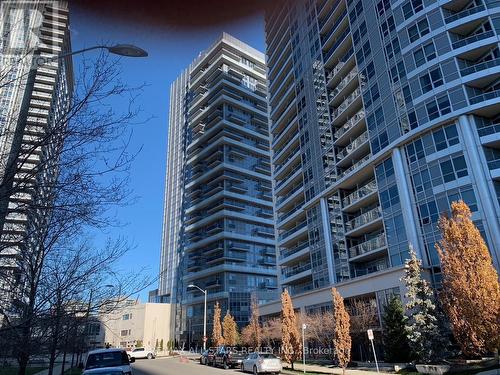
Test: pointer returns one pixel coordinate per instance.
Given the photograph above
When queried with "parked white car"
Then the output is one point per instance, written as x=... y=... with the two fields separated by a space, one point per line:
x=259 y=363
x=107 y=362
x=142 y=353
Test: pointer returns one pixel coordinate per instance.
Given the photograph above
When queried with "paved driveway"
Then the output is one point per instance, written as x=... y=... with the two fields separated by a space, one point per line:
x=174 y=366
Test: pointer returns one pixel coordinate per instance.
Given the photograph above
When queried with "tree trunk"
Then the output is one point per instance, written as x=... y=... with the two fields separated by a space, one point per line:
x=64 y=362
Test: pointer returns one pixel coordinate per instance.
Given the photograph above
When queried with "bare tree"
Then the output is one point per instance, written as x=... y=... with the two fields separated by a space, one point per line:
x=81 y=173
x=364 y=316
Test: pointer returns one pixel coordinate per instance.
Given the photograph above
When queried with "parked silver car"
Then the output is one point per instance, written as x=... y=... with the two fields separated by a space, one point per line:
x=259 y=363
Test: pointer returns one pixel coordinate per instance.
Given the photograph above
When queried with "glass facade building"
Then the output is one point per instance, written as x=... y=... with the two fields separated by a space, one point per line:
x=218 y=232
x=383 y=112
x=35 y=93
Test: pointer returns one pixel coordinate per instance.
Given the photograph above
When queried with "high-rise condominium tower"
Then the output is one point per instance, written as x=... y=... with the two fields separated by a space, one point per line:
x=382 y=113
x=218 y=231
x=35 y=90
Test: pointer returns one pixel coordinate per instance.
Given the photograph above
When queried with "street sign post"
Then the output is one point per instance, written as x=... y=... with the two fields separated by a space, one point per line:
x=370 y=337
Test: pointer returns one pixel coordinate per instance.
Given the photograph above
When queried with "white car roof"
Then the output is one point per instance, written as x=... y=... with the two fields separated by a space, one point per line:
x=106 y=350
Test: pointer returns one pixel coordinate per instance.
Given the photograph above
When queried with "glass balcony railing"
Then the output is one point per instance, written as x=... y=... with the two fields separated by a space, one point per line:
x=489 y=129
x=342 y=84
x=370 y=269
x=340 y=64
x=291 y=173
x=453 y=17
x=471 y=39
x=347 y=102
x=295 y=270
x=281 y=199
x=352 y=146
x=363 y=219
x=339 y=41
x=350 y=123
x=363 y=191
x=289 y=232
x=479 y=67
x=287 y=252
x=335 y=25
x=327 y=17
x=484 y=97
x=367 y=246
x=354 y=166
x=285 y=216
x=290 y=156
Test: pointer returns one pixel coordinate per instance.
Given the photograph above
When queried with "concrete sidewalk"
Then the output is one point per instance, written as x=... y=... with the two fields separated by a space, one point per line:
x=333 y=370
x=57 y=369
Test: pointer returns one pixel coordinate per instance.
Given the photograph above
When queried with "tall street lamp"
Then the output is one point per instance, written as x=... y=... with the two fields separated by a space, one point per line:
x=204 y=315
x=127 y=50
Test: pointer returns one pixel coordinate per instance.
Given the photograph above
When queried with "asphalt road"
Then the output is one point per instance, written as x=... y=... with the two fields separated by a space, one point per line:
x=174 y=366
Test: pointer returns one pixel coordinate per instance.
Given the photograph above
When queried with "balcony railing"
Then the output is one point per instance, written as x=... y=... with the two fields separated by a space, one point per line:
x=340 y=64
x=281 y=199
x=283 y=217
x=363 y=219
x=300 y=246
x=479 y=67
x=486 y=96
x=352 y=146
x=339 y=41
x=352 y=74
x=363 y=191
x=354 y=166
x=292 y=172
x=335 y=26
x=471 y=39
x=464 y=13
x=289 y=232
x=295 y=270
x=370 y=269
x=350 y=123
x=327 y=17
x=284 y=162
x=347 y=102
x=489 y=129
x=367 y=246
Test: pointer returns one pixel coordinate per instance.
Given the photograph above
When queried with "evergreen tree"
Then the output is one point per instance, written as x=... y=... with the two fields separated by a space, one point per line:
x=161 y=345
x=396 y=346
x=217 y=328
x=156 y=344
x=471 y=291
x=342 y=338
x=291 y=346
x=425 y=338
x=230 y=330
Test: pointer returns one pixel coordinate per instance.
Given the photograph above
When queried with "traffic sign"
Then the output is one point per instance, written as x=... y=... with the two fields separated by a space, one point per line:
x=370 y=334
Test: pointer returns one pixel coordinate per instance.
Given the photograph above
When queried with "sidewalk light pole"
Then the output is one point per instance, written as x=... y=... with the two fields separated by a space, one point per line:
x=204 y=315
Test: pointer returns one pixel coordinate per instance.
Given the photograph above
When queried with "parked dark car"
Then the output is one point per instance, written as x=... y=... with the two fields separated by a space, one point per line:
x=228 y=357
x=207 y=356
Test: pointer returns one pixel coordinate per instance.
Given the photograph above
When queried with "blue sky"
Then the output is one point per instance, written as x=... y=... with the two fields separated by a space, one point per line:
x=170 y=50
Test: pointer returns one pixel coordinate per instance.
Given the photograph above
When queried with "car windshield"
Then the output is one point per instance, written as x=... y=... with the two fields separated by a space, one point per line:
x=267 y=355
x=107 y=359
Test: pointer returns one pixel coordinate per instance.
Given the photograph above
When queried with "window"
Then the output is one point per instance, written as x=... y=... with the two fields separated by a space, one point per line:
x=445 y=137
x=412 y=119
x=418 y=30
x=424 y=54
x=415 y=151
x=411 y=7
x=438 y=108
x=454 y=168
x=431 y=80
x=428 y=213
x=387 y=27
x=371 y=95
x=127 y=316
x=382 y=6
x=125 y=332
x=392 y=48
